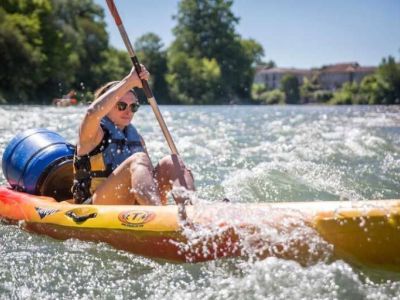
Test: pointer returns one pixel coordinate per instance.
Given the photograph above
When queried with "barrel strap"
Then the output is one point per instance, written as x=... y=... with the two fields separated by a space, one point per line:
x=83 y=175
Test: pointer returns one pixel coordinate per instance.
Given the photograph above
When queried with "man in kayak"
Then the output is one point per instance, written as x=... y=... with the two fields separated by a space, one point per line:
x=111 y=163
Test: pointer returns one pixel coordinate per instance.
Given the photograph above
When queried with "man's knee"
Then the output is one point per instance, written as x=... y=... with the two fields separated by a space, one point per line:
x=171 y=161
x=138 y=160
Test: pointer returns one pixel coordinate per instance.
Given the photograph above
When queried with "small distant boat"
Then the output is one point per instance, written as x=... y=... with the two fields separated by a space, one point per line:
x=67 y=100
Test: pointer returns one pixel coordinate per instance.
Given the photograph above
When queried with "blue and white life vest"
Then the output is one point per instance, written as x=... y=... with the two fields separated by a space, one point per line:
x=93 y=168
x=120 y=144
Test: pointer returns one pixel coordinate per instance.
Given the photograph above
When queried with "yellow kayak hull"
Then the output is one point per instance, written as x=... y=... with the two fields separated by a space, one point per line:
x=366 y=233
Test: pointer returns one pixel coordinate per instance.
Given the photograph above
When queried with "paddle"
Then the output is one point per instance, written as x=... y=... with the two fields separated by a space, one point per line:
x=147 y=91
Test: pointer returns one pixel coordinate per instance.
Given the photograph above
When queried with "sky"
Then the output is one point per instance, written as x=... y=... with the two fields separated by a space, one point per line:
x=293 y=33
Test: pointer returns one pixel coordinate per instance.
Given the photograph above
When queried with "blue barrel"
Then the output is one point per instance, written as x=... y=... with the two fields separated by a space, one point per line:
x=35 y=155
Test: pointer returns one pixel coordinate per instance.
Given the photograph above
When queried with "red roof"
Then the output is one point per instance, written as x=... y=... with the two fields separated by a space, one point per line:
x=346 y=67
x=286 y=71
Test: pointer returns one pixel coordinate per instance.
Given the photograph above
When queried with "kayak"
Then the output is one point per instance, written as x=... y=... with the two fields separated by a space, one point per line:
x=365 y=233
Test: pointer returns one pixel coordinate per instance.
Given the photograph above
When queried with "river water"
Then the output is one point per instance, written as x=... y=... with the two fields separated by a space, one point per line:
x=246 y=153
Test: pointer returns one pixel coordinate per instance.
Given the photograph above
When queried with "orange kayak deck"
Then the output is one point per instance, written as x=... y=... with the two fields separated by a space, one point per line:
x=365 y=232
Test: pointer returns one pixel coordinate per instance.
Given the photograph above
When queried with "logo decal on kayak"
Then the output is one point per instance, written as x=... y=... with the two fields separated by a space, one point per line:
x=136 y=218
x=44 y=212
x=81 y=214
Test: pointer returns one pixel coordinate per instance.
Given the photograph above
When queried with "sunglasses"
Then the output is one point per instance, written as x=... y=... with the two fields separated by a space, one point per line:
x=122 y=106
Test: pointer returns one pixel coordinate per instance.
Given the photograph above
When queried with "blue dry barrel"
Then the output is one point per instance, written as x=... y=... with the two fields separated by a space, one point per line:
x=39 y=161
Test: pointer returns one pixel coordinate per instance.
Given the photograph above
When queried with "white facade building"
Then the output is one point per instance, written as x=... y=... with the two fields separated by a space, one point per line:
x=329 y=77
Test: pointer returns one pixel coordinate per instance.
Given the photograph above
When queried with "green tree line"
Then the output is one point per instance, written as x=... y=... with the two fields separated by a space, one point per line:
x=48 y=47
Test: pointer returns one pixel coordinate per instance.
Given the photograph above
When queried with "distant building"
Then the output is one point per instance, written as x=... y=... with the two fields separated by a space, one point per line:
x=329 y=77
x=332 y=77
x=272 y=77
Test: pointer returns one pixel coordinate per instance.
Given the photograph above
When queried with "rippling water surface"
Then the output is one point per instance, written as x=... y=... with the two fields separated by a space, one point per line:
x=246 y=153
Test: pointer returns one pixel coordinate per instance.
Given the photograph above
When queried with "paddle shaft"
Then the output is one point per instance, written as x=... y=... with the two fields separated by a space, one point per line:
x=147 y=90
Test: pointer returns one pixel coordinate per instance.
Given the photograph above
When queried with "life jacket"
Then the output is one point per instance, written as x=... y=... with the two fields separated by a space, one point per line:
x=93 y=168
